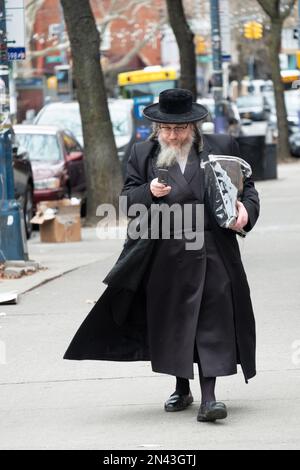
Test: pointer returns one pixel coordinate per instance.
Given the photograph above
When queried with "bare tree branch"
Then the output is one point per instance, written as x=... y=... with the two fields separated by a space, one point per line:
x=273 y=10
x=137 y=47
x=289 y=7
x=48 y=50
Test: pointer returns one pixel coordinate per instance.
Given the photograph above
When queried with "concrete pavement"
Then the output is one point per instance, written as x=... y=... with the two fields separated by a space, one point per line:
x=60 y=258
x=49 y=403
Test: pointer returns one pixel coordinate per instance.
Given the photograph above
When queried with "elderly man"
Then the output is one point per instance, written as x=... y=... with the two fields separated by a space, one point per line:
x=165 y=303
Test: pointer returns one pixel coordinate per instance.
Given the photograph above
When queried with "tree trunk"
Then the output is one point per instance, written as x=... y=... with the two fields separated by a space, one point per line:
x=185 y=40
x=104 y=178
x=282 y=123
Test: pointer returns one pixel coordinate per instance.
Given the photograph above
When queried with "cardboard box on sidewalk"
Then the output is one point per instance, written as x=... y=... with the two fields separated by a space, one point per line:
x=59 y=221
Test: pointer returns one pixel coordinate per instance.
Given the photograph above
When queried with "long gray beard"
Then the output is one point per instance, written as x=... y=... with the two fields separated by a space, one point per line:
x=168 y=155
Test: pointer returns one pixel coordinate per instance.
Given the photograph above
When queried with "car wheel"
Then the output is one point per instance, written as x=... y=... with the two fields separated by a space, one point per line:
x=28 y=211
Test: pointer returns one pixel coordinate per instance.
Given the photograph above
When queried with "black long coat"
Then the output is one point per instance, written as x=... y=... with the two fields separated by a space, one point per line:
x=117 y=328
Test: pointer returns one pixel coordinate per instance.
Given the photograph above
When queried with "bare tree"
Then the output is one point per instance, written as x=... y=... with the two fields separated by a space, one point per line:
x=278 y=11
x=116 y=10
x=103 y=168
x=185 y=40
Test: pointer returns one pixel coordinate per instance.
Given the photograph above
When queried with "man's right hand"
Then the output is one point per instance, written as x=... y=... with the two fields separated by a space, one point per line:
x=159 y=189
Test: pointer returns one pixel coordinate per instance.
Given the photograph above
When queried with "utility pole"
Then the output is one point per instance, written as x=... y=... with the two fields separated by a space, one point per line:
x=299 y=25
x=13 y=243
x=221 y=125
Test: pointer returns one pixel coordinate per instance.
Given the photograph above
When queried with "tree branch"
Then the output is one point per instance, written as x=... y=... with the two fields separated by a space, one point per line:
x=114 y=67
x=289 y=7
x=270 y=7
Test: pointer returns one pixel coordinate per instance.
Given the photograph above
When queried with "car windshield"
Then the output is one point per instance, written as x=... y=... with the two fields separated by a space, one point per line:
x=120 y=121
x=69 y=118
x=149 y=88
x=63 y=117
x=40 y=147
x=249 y=101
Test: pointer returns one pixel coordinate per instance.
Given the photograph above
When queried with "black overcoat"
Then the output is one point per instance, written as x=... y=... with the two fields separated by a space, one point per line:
x=117 y=327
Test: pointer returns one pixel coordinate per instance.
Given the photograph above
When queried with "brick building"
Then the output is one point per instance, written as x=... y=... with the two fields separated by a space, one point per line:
x=121 y=36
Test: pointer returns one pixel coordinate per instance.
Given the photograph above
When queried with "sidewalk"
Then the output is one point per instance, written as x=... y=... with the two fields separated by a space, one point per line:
x=61 y=258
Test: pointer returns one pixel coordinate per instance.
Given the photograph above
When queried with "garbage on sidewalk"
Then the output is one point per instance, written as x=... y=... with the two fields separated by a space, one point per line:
x=10 y=297
x=59 y=221
x=14 y=269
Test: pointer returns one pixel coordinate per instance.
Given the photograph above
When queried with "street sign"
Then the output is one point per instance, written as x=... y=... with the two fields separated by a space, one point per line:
x=139 y=103
x=53 y=59
x=15 y=26
x=225 y=30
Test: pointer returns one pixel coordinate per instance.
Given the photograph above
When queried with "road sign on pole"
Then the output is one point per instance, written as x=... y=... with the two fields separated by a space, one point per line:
x=221 y=124
x=15 y=29
x=224 y=13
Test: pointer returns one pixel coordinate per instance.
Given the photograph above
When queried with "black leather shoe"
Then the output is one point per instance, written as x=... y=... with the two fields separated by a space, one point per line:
x=178 y=402
x=212 y=410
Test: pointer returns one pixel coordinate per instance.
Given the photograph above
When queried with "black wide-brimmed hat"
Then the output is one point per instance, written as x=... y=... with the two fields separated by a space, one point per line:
x=175 y=106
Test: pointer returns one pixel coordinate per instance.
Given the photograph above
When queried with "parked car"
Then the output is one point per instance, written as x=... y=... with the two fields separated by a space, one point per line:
x=66 y=115
x=254 y=107
x=57 y=161
x=294 y=140
x=292 y=103
x=231 y=112
x=23 y=182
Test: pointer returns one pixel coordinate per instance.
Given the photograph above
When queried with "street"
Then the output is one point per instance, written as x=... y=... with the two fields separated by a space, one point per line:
x=49 y=403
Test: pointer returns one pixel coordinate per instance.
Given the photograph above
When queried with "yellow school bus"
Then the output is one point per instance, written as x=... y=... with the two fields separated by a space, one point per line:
x=148 y=81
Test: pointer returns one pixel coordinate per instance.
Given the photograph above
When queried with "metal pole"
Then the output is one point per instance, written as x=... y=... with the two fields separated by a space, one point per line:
x=251 y=68
x=220 y=121
x=13 y=243
x=298 y=24
x=4 y=72
x=63 y=53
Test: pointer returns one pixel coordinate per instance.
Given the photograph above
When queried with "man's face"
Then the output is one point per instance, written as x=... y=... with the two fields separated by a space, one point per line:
x=175 y=135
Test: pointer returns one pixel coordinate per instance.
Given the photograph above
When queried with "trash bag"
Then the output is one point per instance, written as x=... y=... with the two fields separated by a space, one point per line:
x=224 y=183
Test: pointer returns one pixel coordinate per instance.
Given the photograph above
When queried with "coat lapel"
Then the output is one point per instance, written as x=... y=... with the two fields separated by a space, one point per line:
x=189 y=180
x=197 y=184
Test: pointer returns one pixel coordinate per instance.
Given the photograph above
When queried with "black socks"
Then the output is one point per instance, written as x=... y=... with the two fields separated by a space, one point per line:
x=182 y=386
x=207 y=385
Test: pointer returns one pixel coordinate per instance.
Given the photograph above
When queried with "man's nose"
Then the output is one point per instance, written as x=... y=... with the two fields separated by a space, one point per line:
x=173 y=132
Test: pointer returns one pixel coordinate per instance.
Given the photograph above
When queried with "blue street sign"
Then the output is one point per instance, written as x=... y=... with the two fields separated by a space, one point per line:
x=139 y=103
x=16 y=53
x=226 y=58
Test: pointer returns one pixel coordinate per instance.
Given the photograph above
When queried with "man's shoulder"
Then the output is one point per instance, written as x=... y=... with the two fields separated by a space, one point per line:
x=144 y=148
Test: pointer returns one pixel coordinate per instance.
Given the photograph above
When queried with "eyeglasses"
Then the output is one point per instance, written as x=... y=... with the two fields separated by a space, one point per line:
x=176 y=129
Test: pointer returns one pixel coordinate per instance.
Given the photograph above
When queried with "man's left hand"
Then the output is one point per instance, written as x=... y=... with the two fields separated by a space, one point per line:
x=242 y=219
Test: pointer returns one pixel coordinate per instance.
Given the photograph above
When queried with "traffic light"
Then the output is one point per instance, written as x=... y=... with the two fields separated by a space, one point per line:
x=248 y=30
x=201 y=46
x=253 y=30
x=257 y=30
x=296 y=33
